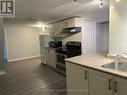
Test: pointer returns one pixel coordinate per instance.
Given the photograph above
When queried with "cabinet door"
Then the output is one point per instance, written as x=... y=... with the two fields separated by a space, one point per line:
x=100 y=83
x=77 y=79
x=78 y=22
x=51 y=58
x=54 y=29
x=51 y=32
x=71 y=22
x=74 y=22
x=65 y=23
x=120 y=86
x=47 y=56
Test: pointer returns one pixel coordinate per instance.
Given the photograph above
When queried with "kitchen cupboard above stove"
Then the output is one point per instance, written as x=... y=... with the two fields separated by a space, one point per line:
x=58 y=26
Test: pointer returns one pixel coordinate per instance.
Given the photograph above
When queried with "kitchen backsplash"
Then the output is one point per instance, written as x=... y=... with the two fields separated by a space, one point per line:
x=75 y=37
x=118 y=28
x=118 y=47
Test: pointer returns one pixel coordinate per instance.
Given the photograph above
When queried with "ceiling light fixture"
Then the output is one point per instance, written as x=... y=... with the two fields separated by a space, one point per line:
x=117 y=0
x=75 y=0
x=101 y=3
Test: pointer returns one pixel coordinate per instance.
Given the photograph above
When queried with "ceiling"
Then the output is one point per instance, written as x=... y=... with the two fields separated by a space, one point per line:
x=52 y=10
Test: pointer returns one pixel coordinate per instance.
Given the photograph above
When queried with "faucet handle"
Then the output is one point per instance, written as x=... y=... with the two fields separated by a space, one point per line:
x=119 y=56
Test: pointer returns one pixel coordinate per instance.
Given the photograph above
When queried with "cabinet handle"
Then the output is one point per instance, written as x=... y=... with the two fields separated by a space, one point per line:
x=86 y=75
x=116 y=87
x=110 y=81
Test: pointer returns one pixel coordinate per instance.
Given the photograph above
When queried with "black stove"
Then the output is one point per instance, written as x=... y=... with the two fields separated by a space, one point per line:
x=71 y=49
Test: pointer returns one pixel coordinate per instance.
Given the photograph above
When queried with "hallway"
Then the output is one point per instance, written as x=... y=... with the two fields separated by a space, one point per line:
x=29 y=77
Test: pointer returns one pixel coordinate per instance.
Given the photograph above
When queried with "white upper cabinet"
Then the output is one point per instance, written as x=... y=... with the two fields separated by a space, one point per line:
x=58 y=26
x=73 y=22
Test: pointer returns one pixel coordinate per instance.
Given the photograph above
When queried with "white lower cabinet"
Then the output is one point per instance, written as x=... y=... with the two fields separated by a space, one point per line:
x=106 y=84
x=120 y=86
x=85 y=81
x=100 y=83
x=77 y=79
x=51 y=57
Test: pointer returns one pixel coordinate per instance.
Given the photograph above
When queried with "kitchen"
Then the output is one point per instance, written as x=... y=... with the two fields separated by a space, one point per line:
x=61 y=43
x=102 y=74
x=87 y=49
x=66 y=38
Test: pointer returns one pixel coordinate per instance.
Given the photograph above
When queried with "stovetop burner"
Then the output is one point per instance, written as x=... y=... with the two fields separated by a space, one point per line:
x=72 y=48
x=61 y=50
x=68 y=52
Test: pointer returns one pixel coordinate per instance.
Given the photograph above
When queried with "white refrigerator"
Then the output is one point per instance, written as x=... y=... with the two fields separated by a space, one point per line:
x=44 y=44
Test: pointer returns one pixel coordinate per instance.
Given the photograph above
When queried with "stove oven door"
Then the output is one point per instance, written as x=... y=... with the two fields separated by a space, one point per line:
x=60 y=65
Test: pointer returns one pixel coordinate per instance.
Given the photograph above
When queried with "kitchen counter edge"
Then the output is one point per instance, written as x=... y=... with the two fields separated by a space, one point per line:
x=95 y=62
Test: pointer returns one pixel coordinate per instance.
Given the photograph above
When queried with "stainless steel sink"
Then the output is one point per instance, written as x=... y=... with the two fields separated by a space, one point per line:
x=120 y=65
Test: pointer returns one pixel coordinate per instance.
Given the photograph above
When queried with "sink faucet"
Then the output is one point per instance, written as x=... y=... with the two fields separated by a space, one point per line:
x=121 y=56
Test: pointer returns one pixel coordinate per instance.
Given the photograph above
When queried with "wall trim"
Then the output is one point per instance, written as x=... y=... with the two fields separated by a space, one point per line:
x=2 y=72
x=23 y=58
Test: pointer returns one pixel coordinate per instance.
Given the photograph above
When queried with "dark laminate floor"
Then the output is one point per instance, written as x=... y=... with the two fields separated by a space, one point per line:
x=29 y=77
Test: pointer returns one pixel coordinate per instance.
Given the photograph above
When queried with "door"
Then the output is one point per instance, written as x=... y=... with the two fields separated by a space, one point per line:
x=100 y=83
x=77 y=79
x=89 y=37
x=120 y=86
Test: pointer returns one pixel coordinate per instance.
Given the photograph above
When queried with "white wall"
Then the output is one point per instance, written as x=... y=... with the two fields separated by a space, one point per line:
x=106 y=37
x=99 y=37
x=118 y=27
x=102 y=37
x=22 y=41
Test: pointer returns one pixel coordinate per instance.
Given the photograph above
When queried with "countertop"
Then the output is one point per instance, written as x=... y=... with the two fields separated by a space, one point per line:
x=95 y=62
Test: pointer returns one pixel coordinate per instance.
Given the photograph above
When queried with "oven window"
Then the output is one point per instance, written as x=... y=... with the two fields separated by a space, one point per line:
x=60 y=59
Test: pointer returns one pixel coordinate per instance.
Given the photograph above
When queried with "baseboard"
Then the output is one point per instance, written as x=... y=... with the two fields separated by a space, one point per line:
x=2 y=72
x=23 y=58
